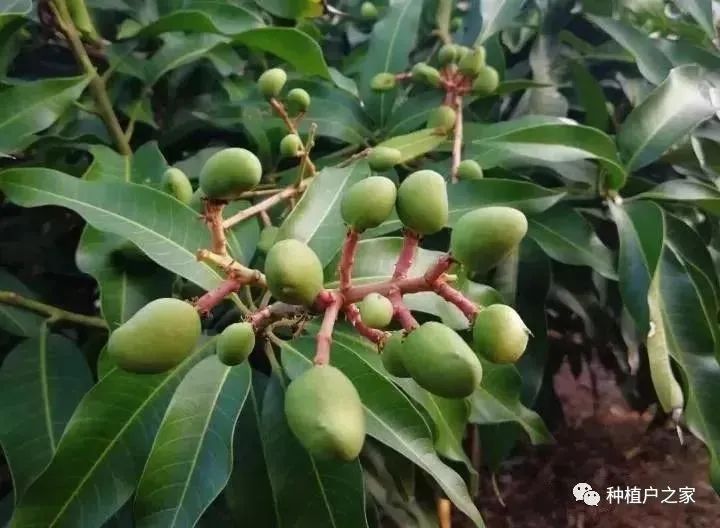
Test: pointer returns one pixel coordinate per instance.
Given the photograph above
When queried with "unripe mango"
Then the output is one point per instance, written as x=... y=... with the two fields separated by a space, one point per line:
x=271 y=82
x=324 y=412
x=448 y=54
x=157 y=338
x=383 y=158
x=382 y=82
x=424 y=73
x=422 y=202
x=235 y=343
x=178 y=185
x=472 y=62
x=469 y=170
x=499 y=334
x=440 y=361
x=267 y=238
x=368 y=11
x=392 y=355
x=294 y=273
x=291 y=146
x=376 y=310
x=368 y=203
x=462 y=52
x=298 y=101
x=483 y=237
x=486 y=82
x=229 y=173
x=442 y=118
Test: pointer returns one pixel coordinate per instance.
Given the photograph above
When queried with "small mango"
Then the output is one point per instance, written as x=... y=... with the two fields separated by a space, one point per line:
x=368 y=203
x=483 y=237
x=499 y=334
x=382 y=82
x=426 y=74
x=368 y=11
x=229 y=173
x=178 y=185
x=156 y=338
x=376 y=310
x=383 y=158
x=235 y=343
x=291 y=146
x=440 y=361
x=294 y=273
x=324 y=412
x=392 y=355
x=267 y=238
x=486 y=82
x=442 y=118
x=298 y=101
x=422 y=202
x=472 y=62
x=448 y=54
x=271 y=82
x=469 y=170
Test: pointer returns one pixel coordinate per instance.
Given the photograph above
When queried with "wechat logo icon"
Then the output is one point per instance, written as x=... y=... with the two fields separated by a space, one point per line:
x=584 y=492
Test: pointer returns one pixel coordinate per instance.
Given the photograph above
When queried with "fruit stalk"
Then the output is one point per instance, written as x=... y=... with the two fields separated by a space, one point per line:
x=282 y=113
x=353 y=316
x=457 y=138
x=214 y=220
x=348 y=258
x=450 y=294
x=324 y=336
x=407 y=254
x=53 y=313
x=235 y=269
x=215 y=296
x=261 y=318
x=266 y=204
x=401 y=312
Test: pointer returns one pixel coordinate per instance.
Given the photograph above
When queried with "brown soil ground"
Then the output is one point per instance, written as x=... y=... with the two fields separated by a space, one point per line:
x=611 y=446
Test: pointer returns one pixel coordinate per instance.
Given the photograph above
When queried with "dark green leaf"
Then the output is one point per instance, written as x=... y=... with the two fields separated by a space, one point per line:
x=686 y=191
x=411 y=114
x=43 y=379
x=496 y=16
x=591 y=97
x=191 y=458
x=102 y=453
x=671 y=111
x=177 y=51
x=17 y=321
x=702 y=12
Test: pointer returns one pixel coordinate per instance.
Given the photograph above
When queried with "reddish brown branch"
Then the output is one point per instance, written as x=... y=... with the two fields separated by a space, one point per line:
x=436 y=271
x=324 y=336
x=231 y=267
x=401 y=312
x=352 y=313
x=347 y=258
x=450 y=294
x=215 y=296
x=266 y=204
x=407 y=254
x=457 y=138
x=280 y=111
x=213 y=218
x=261 y=318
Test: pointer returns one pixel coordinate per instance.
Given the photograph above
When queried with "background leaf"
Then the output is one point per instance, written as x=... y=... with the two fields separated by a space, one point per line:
x=17 y=321
x=496 y=16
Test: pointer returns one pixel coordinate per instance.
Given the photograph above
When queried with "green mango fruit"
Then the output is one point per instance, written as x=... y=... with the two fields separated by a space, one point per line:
x=392 y=355
x=291 y=146
x=157 y=338
x=442 y=118
x=440 y=361
x=424 y=73
x=448 y=54
x=267 y=238
x=486 y=82
x=229 y=173
x=368 y=203
x=422 y=202
x=376 y=310
x=83 y=21
x=469 y=170
x=382 y=82
x=383 y=158
x=271 y=82
x=324 y=412
x=178 y=185
x=472 y=62
x=294 y=272
x=368 y=11
x=483 y=237
x=499 y=334
x=298 y=101
x=235 y=343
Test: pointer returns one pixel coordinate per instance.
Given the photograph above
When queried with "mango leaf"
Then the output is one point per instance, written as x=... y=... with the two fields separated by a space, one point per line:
x=316 y=219
x=167 y=231
x=43 y=379
x=292 y=9
x=689 y=334
x=496 y=16
x=670 y=112
x=291 y=45
x=541 y=141
x=191 y=458
x=591 y=96
x=102 y=453
x=641 y=230
x=392 y=39
x=415 y=144
x=17 y=321
x=497 y=400
x=702 y=12
x=310 y=493
x=31 y=107
x=16 y=7
x=689 y=192
x=391 y=417
x=177 y=51
x=201 y=16
x=567 y=237
x=468 y=195
x=651 y=62
x=411 y=114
